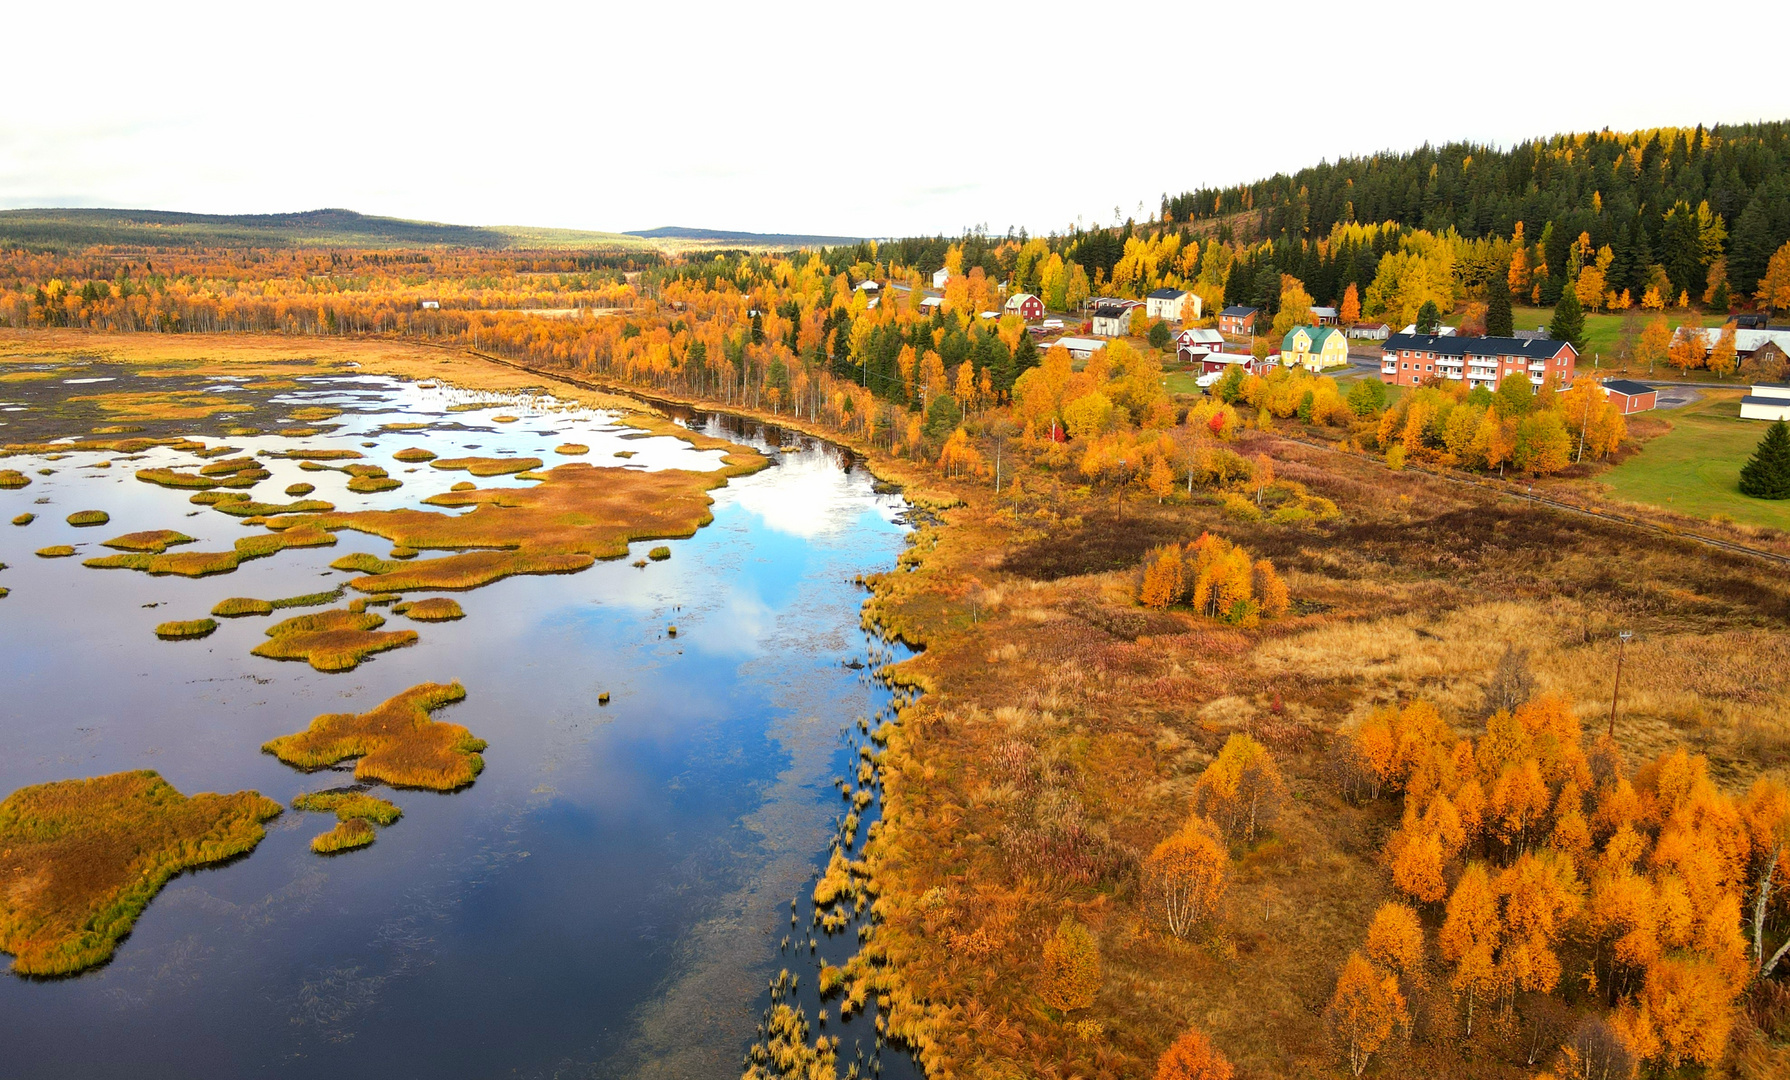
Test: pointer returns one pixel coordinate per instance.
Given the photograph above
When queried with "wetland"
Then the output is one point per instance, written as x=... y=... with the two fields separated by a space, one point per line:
x=599 y=782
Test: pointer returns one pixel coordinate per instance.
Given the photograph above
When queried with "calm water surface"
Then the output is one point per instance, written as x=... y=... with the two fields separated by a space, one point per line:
x=610 y=897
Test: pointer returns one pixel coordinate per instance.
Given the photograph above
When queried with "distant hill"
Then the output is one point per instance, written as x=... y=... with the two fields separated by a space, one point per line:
x=57 y=228
x=743 y=239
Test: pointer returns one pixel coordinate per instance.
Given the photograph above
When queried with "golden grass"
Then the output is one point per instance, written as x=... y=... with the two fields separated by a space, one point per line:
x=213 y=498
x=431 y=609
x=310 y=413
x=233 y=466
x=317 y=455
x=152 y=540
x=185 y=628
x=175 y=478
x=250 y=508
x=202 y=563
x=83 y=519
x=349 y=806
x=333 y=640
x=12 y=479
x=370 y=485
x=346 y=836
x=571 y=449
x=659 y=554
x=238 y=606
x=162 y=404
x=55 y=551
x=464 y=485
x=296 y=490
x=504 y=419
x=397 y=743
x=488 y=466
x=413 y=454
x=24 y=519
x=577 y=514
x=83 y=858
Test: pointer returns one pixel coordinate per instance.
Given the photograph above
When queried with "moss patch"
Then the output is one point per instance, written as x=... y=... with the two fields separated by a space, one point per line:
x=431 y=609
x=397 y=743
x=187 y=628
x=85 y=857
x=24 y=519
x=334 y=640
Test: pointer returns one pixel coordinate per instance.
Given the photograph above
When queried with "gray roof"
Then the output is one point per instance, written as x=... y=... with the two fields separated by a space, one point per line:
x=1239 y=310
x=1628 y=387
x=1529 y=348
x=1168 y=294
x=1530 y=335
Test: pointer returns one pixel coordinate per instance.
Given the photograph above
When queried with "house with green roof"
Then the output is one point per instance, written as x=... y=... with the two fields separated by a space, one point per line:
x=1314 y=347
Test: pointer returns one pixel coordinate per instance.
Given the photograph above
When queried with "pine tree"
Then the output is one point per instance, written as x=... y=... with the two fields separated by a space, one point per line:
x=1498 y=321
x=1429 y=316
x=1569 y=321
x=1767 y=475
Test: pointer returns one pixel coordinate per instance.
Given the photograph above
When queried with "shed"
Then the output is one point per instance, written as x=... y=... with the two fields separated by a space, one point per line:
x=1080 y=347
x=1768 y=401
x=940 y=277
x=1630 y=396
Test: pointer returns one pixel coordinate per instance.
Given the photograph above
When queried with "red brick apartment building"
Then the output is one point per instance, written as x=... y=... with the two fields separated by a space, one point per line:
x=1410 y=359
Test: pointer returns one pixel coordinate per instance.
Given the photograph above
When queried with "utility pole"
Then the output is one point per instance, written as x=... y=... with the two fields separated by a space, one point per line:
x=1616 y=690
x=1584 y=423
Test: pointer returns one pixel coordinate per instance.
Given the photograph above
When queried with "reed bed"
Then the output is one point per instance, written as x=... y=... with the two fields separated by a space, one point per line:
x=349 y=805
x=397 y=743
x=346 y=836
x=85 y=857
x=335 y=640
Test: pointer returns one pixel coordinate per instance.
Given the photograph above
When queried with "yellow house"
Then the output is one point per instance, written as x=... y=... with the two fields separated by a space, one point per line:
x=1314 y=347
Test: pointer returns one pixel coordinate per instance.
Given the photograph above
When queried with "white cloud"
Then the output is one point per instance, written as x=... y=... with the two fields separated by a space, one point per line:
x=807 y=117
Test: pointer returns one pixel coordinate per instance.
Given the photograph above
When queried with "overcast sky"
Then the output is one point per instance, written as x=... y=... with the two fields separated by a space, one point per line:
x=841 y=118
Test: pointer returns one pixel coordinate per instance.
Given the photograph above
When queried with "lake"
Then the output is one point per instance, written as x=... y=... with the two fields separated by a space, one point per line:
x=609 y=899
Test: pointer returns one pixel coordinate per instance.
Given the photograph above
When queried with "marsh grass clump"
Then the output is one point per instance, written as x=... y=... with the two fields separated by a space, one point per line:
x=371 y=485
x=431 y=609
x=213 y=498
x=335 y=640
x=296 y=490
x=83 y=519
x=201 y=563
x=464 y=485
x=250 y=508
x=488 y=466
x=318 y=455
x=85 y=857
x=55 y=551
x=349 y=805
x=571 y=449
x=174 y=478
x=314 y=413
x=24 y=519
x=244 y=469
x=180 y=630
x=659 y=554
x=363 y=562
x=411 y=455
x=313 y=466
x=315 y=599
x=346 y=836
x=13 y=478
x=397 y=743
x=238 y=606
x=402 y=552
x=153 y=540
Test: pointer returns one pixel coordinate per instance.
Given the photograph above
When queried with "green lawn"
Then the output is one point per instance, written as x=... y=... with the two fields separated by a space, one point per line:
x=1601 y=331
x=1695 y=468
x=1182 y=382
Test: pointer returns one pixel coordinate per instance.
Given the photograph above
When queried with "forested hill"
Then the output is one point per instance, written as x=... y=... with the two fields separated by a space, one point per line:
x=1618 y=187
x=60 y=229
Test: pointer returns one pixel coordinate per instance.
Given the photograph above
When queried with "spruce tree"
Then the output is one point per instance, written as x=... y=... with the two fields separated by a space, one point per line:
x=1767 y=475
x=1429 y=316
x=1569 y=320
x=1497 y=308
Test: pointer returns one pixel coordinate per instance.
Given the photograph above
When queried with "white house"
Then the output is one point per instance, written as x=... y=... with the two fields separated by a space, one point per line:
x=1172 y=304
x=931 y=304
x=869 y=286
x=1112 y=318
x=1080 y=347
x=1766 y=402
x=939 y=277
x=1323 y=316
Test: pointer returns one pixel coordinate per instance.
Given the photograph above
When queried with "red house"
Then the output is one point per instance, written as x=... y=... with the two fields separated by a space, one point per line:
x=1026 y=306
x=1237 y=320
x=1631 y=396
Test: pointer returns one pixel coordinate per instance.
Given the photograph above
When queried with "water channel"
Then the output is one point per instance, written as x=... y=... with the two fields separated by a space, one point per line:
x=609 y=899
